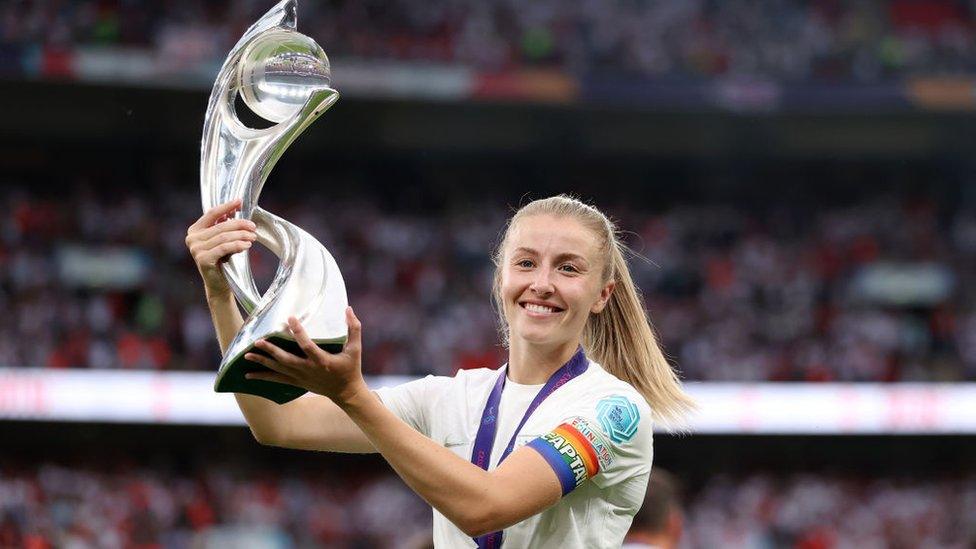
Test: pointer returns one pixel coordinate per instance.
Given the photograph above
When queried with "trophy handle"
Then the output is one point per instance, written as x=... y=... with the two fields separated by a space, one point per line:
x=257 y=152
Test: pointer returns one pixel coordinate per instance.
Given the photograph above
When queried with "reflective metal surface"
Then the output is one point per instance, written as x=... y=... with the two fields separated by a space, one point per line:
x=284 y=77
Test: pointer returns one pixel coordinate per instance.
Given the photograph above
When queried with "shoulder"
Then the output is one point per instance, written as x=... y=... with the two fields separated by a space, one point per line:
x=614 y=418
x=604 y=380
x=430 y=389
x=420 y=402
x=461 y=378
x=604 y=432
x=474 y=381
x=476 y=375
x=611 y=400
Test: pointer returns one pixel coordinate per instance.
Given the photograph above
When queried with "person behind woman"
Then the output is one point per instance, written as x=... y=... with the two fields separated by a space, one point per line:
x=660 y=522
x=551 y=450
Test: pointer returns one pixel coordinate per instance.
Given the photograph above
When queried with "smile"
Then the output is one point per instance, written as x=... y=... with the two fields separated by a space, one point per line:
x=540 y=309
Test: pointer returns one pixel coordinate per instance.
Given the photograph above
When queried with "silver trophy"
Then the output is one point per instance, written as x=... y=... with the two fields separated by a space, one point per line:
x=284 y=77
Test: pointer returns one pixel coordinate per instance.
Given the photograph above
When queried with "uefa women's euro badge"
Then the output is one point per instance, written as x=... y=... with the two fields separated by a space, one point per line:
x=282 y=76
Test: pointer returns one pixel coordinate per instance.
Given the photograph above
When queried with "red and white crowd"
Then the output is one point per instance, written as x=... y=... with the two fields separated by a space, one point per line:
x=790 y=40
x=50 y=505
x=780 y=291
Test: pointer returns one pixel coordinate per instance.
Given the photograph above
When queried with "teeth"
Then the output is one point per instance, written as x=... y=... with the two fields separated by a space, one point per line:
x=539 y=308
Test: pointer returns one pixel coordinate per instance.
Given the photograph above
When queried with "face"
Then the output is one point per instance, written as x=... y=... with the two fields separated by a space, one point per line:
x=551 y=280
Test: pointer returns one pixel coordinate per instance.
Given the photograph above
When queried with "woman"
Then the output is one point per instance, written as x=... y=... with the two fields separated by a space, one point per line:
x=570 y=413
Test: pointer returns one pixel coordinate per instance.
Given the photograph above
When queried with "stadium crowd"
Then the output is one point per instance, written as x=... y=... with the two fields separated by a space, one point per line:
x=51 y=505
x=875 y=291
x=790 y=40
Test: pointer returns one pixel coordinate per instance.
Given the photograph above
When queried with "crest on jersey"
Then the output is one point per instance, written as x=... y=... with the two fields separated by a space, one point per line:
x=619 y=417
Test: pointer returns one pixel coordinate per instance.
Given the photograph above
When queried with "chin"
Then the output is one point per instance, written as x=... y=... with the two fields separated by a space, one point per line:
x=537 y=337
x=534 y=338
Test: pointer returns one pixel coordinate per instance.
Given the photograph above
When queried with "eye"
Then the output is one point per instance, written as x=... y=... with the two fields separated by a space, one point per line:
x=525 y=263
x=569 y=267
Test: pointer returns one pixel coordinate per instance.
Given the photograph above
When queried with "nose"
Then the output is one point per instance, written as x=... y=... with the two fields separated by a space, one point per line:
x=542 y=283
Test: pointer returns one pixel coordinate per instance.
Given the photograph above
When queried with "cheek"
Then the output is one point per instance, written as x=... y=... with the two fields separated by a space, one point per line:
x=511 y=283
x=505 y=286
x=508 y=292
x=590 y=296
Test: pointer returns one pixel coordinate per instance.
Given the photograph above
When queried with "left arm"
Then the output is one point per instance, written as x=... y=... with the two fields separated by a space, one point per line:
x=475 y=500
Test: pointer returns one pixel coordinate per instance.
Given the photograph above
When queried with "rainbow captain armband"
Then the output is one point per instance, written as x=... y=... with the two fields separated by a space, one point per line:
x=575 y=451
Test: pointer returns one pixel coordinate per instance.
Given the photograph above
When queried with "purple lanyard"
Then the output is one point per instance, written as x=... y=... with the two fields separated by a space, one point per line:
x=481 y=453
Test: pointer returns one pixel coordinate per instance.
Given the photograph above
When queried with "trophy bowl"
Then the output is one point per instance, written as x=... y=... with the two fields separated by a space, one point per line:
x=279 y=71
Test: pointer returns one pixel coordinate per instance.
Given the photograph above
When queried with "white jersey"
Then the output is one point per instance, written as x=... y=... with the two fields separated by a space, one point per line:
x=595 y=431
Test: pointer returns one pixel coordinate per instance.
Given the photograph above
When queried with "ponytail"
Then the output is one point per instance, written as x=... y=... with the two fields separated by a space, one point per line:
x=622 y=340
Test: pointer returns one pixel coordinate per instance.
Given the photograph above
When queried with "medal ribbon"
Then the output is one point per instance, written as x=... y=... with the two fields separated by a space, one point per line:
x=485 y=439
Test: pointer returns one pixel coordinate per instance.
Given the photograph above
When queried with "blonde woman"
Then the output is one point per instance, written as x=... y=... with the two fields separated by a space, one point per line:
x=553 y=449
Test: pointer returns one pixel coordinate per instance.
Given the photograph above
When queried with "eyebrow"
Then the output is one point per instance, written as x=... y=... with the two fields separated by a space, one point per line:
x=559 y=257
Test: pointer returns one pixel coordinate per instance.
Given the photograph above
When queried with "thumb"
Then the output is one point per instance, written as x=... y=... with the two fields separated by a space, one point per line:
x=354 y=342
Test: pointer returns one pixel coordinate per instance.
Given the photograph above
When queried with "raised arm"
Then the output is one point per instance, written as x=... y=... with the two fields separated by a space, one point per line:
x=311 y=422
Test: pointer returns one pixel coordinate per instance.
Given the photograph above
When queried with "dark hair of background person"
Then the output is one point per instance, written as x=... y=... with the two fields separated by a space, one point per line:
x=660 y=517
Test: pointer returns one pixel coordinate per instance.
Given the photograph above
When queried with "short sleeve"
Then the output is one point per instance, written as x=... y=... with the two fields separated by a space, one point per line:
x=412 y=401
x=608 y=439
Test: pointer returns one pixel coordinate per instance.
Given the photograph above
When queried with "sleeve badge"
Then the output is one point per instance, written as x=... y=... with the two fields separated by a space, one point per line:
x=619 y=418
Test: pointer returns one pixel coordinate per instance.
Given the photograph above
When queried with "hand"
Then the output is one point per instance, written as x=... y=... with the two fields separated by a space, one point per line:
x=214 y=237
x=337 y=376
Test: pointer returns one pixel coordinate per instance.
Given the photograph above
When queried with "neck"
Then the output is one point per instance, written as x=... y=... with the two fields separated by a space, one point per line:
x=535 y=364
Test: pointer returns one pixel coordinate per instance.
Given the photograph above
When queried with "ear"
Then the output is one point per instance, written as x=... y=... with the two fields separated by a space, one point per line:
x=605 y=294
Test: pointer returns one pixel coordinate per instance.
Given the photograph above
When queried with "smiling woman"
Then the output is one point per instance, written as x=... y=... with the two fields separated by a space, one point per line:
x=584 y=248
x=551 y=450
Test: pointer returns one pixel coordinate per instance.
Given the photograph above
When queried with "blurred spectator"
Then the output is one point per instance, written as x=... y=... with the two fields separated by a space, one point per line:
x=812 y=511
x=792 y=40
x=877 y=290
x=660 y=521
x=49 y=505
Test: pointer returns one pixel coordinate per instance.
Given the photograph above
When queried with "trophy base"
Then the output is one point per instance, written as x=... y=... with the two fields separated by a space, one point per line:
x=230 y=378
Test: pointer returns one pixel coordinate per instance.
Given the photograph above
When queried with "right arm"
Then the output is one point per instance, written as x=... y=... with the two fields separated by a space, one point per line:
x=312 y=422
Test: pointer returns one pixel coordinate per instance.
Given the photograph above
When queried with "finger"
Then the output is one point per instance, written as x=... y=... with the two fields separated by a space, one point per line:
x=267 y=362
x=213 y=256
x=211 y=215
x=230 y=236
x=204 y=234
x=354 y=341
x=272 y=376
x=282 y=356
x=304 y=341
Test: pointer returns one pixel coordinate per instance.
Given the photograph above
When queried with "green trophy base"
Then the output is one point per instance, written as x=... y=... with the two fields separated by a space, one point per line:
x=230 y=378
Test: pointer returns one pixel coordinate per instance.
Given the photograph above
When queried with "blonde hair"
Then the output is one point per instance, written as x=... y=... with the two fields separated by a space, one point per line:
x=620 y=337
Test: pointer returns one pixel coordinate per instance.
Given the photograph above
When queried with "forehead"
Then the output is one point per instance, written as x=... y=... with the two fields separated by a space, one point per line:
x=549 y=234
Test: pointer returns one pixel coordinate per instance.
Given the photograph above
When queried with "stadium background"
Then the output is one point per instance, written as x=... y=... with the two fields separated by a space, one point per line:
x=799 y=176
